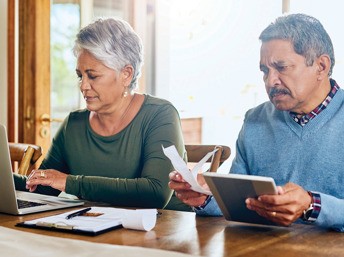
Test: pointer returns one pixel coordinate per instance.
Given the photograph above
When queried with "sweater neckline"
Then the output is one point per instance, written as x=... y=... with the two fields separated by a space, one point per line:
x=318 y=121
x=117 y=135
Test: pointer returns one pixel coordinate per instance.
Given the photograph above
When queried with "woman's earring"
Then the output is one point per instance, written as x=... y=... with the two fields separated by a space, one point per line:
x=125 y=93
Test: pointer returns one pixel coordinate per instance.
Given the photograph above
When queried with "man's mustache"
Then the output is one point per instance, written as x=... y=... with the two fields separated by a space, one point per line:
x=274 y=91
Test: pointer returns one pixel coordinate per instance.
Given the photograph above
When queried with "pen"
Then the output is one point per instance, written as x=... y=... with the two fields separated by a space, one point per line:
x=78 y=213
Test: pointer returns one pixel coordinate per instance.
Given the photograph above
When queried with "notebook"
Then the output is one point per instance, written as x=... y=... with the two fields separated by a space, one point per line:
x=20 y=202
x=231 y=190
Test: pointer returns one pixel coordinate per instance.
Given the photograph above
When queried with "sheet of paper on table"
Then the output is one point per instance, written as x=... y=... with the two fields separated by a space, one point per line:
x=181 y=167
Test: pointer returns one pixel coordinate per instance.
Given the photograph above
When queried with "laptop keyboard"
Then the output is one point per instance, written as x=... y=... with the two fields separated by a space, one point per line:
x=26 y=204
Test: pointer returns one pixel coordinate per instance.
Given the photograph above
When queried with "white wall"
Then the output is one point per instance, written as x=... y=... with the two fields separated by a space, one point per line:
x=327 y=12
x=209 y=63
x=213 y=58
x=3 y=62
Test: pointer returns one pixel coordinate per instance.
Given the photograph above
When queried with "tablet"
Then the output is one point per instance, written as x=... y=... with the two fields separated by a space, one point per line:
x=231 y=190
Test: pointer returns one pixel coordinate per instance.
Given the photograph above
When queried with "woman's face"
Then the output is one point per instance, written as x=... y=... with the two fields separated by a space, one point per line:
x=100 y=86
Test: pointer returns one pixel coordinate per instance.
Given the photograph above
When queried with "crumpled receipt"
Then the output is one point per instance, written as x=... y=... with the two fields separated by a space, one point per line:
x=181 y=167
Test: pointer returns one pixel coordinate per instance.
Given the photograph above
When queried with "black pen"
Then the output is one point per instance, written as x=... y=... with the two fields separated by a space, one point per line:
x=78 y=213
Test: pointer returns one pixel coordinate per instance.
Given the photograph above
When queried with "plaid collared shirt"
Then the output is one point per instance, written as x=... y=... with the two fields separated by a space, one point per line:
x=306 y=118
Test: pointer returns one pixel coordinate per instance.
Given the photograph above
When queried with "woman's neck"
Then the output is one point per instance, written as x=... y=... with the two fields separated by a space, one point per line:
x=108 y=124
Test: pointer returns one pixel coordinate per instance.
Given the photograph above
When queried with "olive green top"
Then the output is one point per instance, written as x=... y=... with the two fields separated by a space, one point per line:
x=125 y=169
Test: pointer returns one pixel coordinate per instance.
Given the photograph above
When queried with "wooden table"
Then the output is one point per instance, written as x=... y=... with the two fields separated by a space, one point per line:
x=210 y=236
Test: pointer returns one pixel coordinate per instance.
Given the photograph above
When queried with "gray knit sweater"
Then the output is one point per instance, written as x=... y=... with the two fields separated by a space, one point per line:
x=272 y=144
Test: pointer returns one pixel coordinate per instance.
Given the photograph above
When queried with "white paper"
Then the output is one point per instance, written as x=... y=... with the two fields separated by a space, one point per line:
x=110 y=217
x=181 y=167
x=140 y=219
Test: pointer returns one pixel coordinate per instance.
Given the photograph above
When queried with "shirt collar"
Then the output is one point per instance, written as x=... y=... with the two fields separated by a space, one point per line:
x=306 y=118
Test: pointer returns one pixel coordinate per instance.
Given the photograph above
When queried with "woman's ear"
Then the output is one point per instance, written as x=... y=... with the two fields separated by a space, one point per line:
x=127 y=74
x=323 y=63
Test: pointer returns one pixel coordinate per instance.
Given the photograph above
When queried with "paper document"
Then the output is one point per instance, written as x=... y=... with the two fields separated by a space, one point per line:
x=181 y=167
x=139 y=219
x=99 y=219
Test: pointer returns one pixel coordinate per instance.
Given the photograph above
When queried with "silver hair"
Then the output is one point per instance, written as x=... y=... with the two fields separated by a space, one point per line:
x=114 y=43
x=306 y=33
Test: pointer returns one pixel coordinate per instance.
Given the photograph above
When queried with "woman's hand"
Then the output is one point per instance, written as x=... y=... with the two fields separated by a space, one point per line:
x=50 y=177
x=284 y=208
x=183 y=191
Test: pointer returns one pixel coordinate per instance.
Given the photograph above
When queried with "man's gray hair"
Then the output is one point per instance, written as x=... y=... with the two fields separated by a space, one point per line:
x=114 y=43
x=306 y=33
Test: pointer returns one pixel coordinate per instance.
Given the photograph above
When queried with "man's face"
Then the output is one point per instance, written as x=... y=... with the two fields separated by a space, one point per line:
x=289 y=82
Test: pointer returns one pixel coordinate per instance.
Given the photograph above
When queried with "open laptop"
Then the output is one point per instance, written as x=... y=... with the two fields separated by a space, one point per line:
x=20 y=202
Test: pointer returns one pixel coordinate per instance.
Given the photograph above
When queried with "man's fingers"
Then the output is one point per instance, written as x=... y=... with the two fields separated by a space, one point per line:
x=280 y=190
x=257 y=206
x=177 y=182
x=172 y=175
x=183 y=195
x=183 y=191
x=191 y=198
x=195 y=201
x=175 y=176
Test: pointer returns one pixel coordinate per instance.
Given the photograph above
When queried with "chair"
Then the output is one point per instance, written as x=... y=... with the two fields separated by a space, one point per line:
x=196 y=152
x=25 y=154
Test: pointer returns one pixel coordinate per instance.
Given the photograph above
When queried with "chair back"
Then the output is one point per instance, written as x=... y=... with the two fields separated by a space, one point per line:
x=196 y=152
x=25 y=155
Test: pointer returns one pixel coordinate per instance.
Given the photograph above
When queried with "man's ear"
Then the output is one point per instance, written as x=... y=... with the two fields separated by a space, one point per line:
x=127 y=74
x=323 y=63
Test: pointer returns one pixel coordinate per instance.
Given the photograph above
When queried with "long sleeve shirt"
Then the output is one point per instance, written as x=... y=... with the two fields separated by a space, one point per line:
x=125 y=169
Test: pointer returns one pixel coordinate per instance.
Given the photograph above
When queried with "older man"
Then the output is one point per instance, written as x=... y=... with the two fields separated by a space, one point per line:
x=297 y=137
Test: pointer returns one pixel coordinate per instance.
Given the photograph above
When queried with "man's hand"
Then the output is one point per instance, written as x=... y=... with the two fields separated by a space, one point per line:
x=183 y=191
x=284 y=208
x=50 y=177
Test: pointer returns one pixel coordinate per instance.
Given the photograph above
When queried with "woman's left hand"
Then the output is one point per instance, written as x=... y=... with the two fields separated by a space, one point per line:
x=50 y=177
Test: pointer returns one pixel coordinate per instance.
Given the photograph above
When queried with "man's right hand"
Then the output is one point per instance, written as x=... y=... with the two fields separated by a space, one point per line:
x=183 y=191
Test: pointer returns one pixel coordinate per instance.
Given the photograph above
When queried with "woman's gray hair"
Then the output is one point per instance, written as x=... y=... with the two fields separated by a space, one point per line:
x=114 y=43
x=306 y=33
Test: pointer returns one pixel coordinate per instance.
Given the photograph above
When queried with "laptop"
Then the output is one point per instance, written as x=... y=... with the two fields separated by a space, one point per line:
x=20 y=202
x=231 y=191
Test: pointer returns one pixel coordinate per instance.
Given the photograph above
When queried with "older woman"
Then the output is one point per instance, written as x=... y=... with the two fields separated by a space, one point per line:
x=112 y=150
